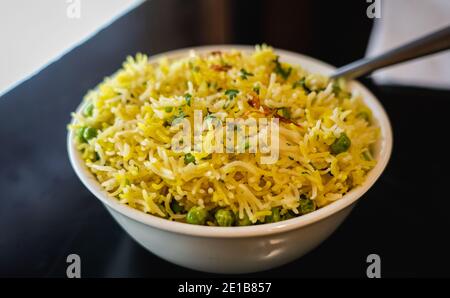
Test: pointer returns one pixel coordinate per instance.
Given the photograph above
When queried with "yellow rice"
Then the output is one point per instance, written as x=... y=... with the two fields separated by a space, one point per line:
x=132 y=159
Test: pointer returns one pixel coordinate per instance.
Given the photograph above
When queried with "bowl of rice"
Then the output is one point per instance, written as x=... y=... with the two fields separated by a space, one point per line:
x=228 y=159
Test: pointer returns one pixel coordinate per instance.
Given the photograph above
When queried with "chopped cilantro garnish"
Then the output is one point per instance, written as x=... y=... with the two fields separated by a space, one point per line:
x=178 y=117
x=245 y=74
x=231 y=93
x=188 y=97
x=301 y=83
x=285 y=73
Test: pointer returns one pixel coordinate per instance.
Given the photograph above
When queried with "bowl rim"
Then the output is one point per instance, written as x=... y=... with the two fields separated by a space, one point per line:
x=384 y=153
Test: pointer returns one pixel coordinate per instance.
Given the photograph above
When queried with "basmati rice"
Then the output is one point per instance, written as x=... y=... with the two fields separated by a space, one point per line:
x=132 y=158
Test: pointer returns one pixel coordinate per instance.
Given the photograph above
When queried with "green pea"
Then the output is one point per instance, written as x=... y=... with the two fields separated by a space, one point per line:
x=88 y=110
x=307 y=206
x=288 y=215
x=188 y=158
x=244 y=221
x=197 y=216
x=275 y=215
x=224 y=217
x=341 y=144
x=80 y=134
x=168 y=109
x=89 y=133
x=176 y=207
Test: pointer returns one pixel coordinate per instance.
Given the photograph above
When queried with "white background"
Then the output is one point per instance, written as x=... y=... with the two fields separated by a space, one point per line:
x=34 y=33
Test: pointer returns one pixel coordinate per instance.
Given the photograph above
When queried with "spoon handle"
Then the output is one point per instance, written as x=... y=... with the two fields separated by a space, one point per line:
x=426 y=45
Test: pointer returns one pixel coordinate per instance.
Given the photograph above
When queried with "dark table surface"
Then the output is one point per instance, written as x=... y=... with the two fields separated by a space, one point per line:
x=46 y=214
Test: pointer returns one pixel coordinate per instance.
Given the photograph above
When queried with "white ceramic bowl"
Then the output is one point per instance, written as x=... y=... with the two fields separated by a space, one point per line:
x=241 y=249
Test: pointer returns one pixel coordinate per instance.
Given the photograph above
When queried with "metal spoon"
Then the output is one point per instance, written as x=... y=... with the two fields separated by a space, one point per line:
x=426 y=45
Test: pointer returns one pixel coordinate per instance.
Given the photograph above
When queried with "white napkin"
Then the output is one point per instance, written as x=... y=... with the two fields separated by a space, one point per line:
x=402 y=21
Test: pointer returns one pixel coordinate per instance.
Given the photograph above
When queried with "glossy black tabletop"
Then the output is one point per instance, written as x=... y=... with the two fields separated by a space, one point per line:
x=47 y=214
